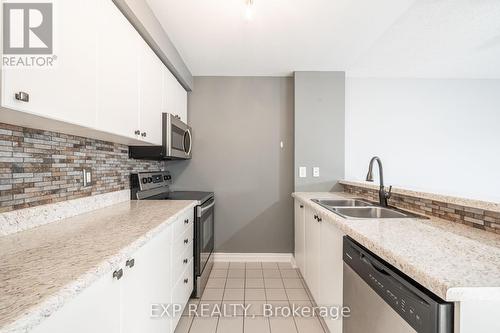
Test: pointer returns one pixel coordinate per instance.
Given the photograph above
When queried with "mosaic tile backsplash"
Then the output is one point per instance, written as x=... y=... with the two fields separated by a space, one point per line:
x=39 y=167
x=473 y=217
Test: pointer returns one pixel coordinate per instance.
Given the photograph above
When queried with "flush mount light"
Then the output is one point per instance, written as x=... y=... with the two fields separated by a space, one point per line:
x=249 y=10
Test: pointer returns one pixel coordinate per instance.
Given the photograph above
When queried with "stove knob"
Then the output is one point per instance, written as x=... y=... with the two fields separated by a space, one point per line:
x=144 y=180
x=165 y=177
x=150 y=179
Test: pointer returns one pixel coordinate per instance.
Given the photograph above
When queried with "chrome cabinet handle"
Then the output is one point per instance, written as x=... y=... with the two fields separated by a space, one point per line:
x=137 y=132
x=118 y=274
x=185 y=261
x=130 y=263
x=22 y=96
x=186 y=280
x=301 y=206
x=143 y=134
x=186 y=221
x=186 y=241
x=315 y=217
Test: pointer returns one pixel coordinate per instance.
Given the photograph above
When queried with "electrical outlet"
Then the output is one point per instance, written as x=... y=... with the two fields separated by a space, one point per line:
x=316 y=172
x=87 y=177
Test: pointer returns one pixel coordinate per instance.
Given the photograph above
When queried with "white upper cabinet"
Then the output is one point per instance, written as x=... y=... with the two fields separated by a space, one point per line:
x=117 y=73
x=151 y=95
x=175 y=96
x=107 y=82
x=182 y=103
x=67 y=91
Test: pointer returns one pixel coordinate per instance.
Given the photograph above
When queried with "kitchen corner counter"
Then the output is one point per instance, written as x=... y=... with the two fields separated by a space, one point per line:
x=456 y=262
x=44 y=267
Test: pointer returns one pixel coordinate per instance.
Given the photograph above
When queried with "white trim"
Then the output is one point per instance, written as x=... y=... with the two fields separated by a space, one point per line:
x=293 y=262
x=253 y=257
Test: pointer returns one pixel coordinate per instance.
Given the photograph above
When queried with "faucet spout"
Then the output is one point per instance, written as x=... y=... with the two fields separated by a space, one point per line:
x=382 y=193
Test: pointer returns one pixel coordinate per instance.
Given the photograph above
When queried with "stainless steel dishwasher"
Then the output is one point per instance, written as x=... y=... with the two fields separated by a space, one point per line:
x=384 y=300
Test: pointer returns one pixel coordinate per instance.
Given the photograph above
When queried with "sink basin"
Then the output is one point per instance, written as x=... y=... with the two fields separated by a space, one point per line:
x=362 y=209
x=327 y=203
x=371 y=213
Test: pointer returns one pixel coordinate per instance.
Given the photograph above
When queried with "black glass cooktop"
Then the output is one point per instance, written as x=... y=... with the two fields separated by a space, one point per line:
x=183 y=195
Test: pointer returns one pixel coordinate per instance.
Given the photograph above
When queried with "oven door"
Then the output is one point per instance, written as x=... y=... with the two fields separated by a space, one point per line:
x=204 y=231
x=178 y=138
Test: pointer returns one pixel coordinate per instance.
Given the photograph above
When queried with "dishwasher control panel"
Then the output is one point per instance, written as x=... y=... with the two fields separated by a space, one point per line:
x=422 y=310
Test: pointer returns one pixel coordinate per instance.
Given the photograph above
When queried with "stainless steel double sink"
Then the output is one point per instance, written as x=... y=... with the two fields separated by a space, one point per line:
x=362 y=209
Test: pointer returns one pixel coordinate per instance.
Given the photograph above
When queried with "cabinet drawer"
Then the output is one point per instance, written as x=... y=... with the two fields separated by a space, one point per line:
x=182 y=241
x=180 y=261
x=183 y=222
x=182 y=291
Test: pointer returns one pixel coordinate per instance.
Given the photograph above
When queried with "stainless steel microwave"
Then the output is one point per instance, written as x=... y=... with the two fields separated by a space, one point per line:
x=177 y=142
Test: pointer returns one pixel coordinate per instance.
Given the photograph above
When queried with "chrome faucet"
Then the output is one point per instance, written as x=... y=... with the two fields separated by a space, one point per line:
x=383 y=195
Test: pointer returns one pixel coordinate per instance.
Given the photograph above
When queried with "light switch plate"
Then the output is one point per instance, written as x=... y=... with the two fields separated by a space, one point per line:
x=316 y=172
x=302 y=172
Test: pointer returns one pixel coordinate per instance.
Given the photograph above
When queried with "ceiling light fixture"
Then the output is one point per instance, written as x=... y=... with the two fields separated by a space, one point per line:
x=249 y=10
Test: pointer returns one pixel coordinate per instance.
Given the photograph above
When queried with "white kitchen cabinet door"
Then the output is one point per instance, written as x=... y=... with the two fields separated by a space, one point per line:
x=182 y=103
x=169 y=91
x=96 y=309
x=146 y=283
x=151 y=95
x=300 y=237
x=181 y=292
x=331 y=271
x=118 y=53
x=65 y=92
x=313 y=252
x=174 y=97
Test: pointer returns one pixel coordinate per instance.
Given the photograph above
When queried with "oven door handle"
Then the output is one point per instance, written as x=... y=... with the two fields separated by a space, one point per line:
x=202 y=210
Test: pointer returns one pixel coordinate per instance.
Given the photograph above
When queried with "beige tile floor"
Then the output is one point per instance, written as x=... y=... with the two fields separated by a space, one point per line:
x=236 y=284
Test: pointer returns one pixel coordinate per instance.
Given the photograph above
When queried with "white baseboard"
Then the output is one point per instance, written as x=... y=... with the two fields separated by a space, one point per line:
x=293 y=262
x=253 y=257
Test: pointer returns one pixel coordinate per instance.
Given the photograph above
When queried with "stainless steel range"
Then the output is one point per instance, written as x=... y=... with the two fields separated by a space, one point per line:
x=156 y=186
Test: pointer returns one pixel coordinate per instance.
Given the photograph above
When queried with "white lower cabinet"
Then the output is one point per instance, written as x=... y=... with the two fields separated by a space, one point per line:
x=331 y=271
x=147 y=283
x=300 y=236
x=313 y=251
x=96 y=309
x=322 y=263
x=160 y=272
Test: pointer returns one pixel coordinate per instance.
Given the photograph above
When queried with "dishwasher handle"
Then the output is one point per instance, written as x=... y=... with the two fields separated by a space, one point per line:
x=383 y=274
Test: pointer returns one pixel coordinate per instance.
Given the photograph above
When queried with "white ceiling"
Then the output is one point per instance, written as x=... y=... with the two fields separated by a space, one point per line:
x=383 y=38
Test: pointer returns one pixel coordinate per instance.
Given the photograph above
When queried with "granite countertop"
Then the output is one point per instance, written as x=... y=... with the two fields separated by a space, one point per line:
x=454 y=261
x=44 y=267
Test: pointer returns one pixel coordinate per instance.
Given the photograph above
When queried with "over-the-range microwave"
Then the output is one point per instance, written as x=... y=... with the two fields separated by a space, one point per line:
x=177 y=142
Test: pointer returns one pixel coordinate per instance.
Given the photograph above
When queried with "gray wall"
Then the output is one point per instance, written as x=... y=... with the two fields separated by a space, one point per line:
x=319 y=129
x=143 y=19
x=238 y=123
